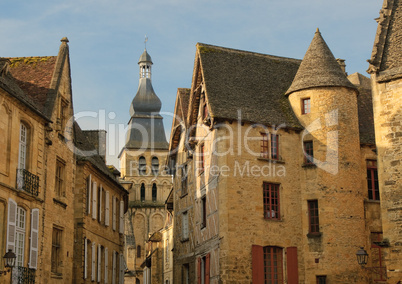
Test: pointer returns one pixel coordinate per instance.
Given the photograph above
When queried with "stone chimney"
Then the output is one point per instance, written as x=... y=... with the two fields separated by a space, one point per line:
x=98 y=139
x=341 y=63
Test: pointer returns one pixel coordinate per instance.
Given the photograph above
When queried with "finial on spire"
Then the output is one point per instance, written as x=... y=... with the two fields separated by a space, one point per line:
x=145 y=42
x=317 y=31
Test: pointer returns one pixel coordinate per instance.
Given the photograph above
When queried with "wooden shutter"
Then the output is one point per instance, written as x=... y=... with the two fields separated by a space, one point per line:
x=85 y=258
x=199 y=270
x=33 y=253
x=258 y=264
x=99 y=263
x=292 y=267
x=100 y=203
x=207 y=266
x=121 y=225
x=93 y=261
x=114 y=267
x=89 y=194
x=94 y=198
x=121 y=266
x=114 y=213
x=107 y=216
x=106 y=266
x=11 y=224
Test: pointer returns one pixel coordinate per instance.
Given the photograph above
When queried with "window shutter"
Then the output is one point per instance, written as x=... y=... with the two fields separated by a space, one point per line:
x=100 y=202
x=114 y=213
x=106 y=266
x=121 y=266
x=33 y=254
x=94 y=197
x=258 y=264
x=12 y=220
x=93 y=261
x=292 y=267
x=121 y=225
x=99 y=262
x=85 y=258
x=114 y=267
x=89 y=195
x=199 y=271
x=207 y=265
x=107 y=217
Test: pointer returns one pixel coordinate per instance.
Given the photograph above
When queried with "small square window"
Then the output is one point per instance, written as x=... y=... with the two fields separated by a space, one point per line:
x=306 y=106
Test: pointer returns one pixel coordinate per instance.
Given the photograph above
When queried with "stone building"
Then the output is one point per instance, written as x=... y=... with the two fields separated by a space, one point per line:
x=142 y=164
x=386 y=73
x=43 y=189
x=275 y=170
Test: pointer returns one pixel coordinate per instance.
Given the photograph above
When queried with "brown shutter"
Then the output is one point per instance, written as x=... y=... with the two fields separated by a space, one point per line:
x=199 y=270
x=292 y=268
x=258 y=264
x=207 y=257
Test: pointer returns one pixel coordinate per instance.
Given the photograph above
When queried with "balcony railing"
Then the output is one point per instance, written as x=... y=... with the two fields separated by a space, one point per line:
x=23 y=275
x=27 y=182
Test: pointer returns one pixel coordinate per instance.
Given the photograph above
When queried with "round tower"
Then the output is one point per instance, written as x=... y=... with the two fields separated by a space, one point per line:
x=325 y=102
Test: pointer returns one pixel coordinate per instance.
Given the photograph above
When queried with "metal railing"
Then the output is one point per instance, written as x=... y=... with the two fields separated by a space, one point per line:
x=23 y=275
x=27 y=182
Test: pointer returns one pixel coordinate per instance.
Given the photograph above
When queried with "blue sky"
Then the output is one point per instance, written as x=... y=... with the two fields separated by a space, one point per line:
x=107 y=38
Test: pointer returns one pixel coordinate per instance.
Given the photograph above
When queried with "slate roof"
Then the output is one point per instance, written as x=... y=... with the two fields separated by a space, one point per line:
x=34 y=75
x=85 y=151
x=249 y=82
x=388 y=41
x=319 y=68
x=365 y=107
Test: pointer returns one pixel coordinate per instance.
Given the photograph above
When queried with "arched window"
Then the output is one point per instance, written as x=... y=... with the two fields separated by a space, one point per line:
x=142 y=166
x=154 y=192
x=155 y=165
x=138 y=251
x=142 y=192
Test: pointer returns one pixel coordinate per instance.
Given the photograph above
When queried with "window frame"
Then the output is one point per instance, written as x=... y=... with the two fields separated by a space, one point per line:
x=269 y=146
x=142 y=166
x=202 y=158
x=373 y=189
x=154 y=192
x=307 y=150
x=60 y=178
x=23 y=144
x=184 y=179
x=142 y=192
x=271 y=201
x=273 y=255
x=155 y=165
x=20 y=233
x=56 y=255
x=306 y=107
x=203 y=212
x=321 y=279
x=184 y=226
x=313 y=217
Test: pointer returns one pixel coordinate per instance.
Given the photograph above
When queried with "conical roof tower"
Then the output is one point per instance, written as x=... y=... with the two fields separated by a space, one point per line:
x=319 y=68
x=146 y=130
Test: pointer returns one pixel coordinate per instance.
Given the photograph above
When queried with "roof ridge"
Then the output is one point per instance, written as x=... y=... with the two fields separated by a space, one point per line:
x=247 y=52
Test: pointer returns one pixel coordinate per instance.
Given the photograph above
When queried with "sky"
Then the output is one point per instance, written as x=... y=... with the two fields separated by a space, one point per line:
x=107 y=38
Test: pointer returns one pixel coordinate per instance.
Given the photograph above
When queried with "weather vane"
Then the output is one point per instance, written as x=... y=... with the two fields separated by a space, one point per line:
x=145 y=42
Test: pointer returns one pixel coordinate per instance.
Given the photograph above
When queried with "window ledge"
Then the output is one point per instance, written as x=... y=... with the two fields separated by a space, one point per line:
x=56 y=275
x=273 y=219
x=59 y=202
x=271 y=160
x=314 y=235
x=309 y=165
x=372 y=201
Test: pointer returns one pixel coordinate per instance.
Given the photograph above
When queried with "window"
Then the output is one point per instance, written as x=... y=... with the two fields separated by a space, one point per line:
x=142 y=193
x=306 y=106
x=56 y=251
x=22 y=155
x=155 y=166
x=308 y=153
x=142 y=165
x=270 y=146
x=203 y=269
x=59 y=183
x=167 y=252
x=154 y=192
x=273 y=267
x=377 y=257
x=185 y=274
x=184 y=227
x=203 y=211
x=322 y=279
x=63 y=115
x=372 y=180
x=205 y=110
x=20 y=236
x=89 y=194
x=184 y=173
x=314 y=225
x=138 y=251
x=202 y=158
x=271 y=200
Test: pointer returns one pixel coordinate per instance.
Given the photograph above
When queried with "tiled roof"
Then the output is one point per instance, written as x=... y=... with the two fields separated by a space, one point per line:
x=33 y=75
x=319 y=68
x=387 y=44
x=251 y=83
x=85 y=151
